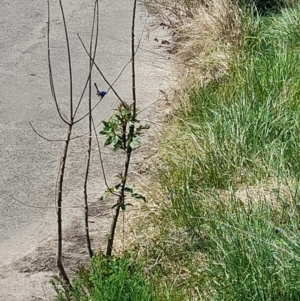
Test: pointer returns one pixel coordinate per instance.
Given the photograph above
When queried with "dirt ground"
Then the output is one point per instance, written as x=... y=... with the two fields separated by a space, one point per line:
x=29 y=164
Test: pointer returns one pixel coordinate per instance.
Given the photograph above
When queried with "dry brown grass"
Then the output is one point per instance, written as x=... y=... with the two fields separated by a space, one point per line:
x=205 y=41
x=274 y=193
x=141 y=224
x=204 y=34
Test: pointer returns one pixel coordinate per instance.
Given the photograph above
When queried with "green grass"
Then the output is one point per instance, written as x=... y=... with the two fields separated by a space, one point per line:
x=237 y=134
x=253 y=254
x=247 y=127
x=109 y=278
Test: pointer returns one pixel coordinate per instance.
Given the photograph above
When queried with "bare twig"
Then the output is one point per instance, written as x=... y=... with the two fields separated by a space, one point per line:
x=112 y=84
x=100 y=156
x=81 y=96
x=69 y=59
x=123 y=69
x=86 y=217
x=50 y=70
x=133 y=53
x=41 y=207
x=43 y=137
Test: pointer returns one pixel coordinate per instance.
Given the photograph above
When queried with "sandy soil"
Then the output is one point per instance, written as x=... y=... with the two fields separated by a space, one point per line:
x=29 y=164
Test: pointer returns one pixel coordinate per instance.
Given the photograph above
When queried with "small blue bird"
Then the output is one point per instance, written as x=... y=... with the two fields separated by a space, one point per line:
x=100 y=93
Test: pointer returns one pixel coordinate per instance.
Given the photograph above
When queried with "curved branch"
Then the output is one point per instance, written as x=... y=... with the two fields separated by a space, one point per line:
x=50 y=71
x=94 y=55
x=85 y=186
x=41 y=207
x=69 y=59
x=45 y=138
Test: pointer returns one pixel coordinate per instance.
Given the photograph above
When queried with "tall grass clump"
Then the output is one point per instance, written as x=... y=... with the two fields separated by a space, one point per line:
x=254 y=250
x=109 y=278
x=204 y=34
x=237 y=134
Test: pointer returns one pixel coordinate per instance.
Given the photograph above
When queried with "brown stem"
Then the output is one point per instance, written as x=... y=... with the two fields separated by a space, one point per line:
x=59 y=208
x=101 y=159
x=120 y=203
x=50 y=70
x=69 y=59
x=111 y=238
x=133 y=61
x=86 y=207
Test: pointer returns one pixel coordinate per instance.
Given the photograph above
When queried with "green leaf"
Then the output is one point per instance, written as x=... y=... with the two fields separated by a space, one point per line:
x=105 y=131
x=118 y=186
x=128 y=189
x=138 y=196
x=120 y=176
x=108 y=141
x=142 y=127
x=116 y=205
x=123 y=206
x=117 y=144
x=107 y=193
x=135 y=143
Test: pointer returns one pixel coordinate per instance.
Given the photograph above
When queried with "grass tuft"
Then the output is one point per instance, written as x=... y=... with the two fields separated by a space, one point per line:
x=204 y=34
x=109 y=278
